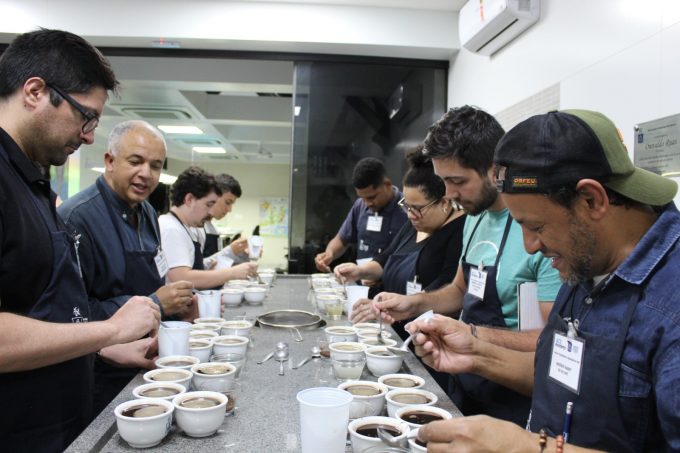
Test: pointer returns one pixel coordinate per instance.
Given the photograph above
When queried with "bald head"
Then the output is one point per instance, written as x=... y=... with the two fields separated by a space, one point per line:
x=134 y=160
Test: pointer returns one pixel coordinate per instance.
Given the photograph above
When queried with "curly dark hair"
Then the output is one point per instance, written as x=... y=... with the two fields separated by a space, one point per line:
x=468 y=135
x=193 y=180
x=421 y=175
x=369 y=171
x=60 y=58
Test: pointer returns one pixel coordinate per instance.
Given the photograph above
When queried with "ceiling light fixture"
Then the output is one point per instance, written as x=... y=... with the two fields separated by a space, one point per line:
x=186 y=130
x=209 y=149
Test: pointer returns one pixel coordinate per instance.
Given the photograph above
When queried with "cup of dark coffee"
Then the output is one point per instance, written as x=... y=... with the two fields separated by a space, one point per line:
x=163 y=390
x=177 y=361
x=363 y=432
x=144 y=423
x=401 y=381
x=417 y=416
x=199 y=414
x=399 y=398
x=368 y=398
x=178 y=375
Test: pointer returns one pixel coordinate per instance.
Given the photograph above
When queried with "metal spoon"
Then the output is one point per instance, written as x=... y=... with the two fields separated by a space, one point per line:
x=267 y=357
x=316 y=353
x=404 y=347
x=281 y=356
x=393 y=441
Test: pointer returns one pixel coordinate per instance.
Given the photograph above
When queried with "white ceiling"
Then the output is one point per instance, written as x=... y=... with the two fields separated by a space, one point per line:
x=220 y=97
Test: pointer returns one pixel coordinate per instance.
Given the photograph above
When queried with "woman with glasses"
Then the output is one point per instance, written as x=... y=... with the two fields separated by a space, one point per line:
x=424 y=255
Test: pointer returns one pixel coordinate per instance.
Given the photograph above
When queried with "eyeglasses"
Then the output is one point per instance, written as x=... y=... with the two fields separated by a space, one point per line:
x=417 y=211
x=91 y=120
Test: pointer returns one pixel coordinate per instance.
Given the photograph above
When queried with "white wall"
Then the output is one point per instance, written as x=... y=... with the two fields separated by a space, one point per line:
x=257 y=182
x=620 y=57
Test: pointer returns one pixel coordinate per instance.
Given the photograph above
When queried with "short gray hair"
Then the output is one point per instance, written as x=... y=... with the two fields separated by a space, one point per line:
x=121 y=129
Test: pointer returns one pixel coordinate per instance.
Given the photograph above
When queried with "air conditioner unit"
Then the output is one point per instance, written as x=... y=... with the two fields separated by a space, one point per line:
x=485 y=26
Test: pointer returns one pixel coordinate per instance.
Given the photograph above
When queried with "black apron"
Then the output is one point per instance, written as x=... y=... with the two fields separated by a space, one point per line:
x=212 y=244
x=198 y=256
x=141 y=278
x=400 y=267
x=45 y=409
x=596 y=418
x=471 y=393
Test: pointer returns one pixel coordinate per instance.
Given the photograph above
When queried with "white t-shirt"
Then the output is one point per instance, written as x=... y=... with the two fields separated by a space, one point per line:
x=177 y=245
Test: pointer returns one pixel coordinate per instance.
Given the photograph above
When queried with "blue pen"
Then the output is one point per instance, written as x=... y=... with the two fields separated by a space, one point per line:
x=567 y=421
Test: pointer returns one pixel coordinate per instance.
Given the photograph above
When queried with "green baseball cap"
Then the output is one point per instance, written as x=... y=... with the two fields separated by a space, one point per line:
x=559 y=148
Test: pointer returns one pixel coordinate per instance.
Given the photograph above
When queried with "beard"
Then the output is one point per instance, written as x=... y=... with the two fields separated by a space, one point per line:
x=487 y=197
x=582 y=249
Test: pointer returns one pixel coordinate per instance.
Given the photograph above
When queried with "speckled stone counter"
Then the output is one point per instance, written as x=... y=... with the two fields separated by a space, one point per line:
x=267 y=416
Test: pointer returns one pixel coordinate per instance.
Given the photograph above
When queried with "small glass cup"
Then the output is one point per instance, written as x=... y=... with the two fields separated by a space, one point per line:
x=348 y=369
x=334 y=310
x=238 y=360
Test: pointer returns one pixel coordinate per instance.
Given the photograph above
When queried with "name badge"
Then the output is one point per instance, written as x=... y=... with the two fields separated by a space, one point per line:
x=374 y=223
x=413 y=288
x=161 y=263
x=361 y=261
x=477 y=282
x=566 y=361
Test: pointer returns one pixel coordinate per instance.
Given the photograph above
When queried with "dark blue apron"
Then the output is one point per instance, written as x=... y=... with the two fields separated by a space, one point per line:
x=400 y=267
x=198 y=256
x=45 y=409
x=371 y=243
x=142 y=279
x=473 y=394
x=596 y=418
x=212 y=244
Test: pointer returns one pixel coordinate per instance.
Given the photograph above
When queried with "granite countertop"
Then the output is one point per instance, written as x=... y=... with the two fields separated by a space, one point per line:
x=267 y=416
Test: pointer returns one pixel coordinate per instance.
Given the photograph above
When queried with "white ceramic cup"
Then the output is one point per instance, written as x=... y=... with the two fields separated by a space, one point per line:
x=324 y=414
x=209 y=304
x=354 y=293
x=173 y=338
x=144 y=432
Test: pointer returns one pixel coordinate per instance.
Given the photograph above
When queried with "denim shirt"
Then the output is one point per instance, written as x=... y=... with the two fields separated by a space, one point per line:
x=649 y=374
x=102 y=258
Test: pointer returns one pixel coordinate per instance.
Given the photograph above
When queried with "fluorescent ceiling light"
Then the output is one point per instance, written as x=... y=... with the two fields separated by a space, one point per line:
x=209 y=149
x=165 y=177
x=297 y=110
x=188 y=130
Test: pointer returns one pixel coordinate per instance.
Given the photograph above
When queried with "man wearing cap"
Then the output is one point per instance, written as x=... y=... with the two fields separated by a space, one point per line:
x=494 y=262
x=611 y=344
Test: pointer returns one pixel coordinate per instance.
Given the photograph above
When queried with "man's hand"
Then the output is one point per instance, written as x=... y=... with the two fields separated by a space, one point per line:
x=136 y=318
x=239 y=246
x=478 y=433
x=362 y=311
x=323 y=261
x=445 y=344
x=175 y=297
x=243 y=271
x=137 y=354
x=347 y=272
x=394 y=307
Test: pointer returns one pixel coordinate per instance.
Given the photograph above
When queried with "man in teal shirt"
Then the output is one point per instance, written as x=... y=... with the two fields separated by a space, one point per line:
x=461 y=145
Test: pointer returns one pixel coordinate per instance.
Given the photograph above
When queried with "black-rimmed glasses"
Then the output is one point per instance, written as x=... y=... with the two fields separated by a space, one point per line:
x=91 y=120
x=417 y=211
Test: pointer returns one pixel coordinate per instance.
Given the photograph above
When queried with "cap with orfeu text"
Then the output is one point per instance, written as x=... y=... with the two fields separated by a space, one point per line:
x=557 y=149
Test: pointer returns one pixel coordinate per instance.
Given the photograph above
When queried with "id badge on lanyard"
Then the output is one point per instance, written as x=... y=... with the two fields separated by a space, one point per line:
x=413 y=287
x=161 y=263
x=477 y=281
x=566 y=359
x=374 y=223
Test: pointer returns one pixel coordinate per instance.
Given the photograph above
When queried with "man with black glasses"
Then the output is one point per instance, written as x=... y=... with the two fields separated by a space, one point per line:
x=53 y=86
